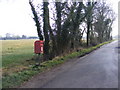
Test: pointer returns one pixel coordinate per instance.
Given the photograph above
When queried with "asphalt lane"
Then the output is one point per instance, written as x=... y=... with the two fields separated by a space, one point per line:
x=98 y=69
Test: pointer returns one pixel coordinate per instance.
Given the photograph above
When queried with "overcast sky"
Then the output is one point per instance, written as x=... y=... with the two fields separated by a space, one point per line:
x=15 y=17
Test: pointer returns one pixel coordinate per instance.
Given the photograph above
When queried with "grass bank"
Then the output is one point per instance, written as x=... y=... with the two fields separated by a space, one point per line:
x=17 y=78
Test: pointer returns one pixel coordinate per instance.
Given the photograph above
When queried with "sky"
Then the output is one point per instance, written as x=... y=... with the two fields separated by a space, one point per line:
x=16 y=17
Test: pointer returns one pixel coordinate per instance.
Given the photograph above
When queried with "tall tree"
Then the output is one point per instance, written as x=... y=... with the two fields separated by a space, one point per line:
x=89 y=10
x=104 y=21
x=36 y=19
x=46 y=28
x=76 y=22
x=58 y=23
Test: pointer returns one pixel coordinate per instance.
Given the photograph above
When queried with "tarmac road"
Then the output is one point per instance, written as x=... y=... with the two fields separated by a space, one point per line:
x=98 y=69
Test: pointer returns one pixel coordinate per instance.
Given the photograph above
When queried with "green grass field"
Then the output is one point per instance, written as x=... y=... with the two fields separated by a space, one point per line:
x=16 y=54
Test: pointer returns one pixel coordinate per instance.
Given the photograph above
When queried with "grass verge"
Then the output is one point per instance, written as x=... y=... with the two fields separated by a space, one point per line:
x=16 y=79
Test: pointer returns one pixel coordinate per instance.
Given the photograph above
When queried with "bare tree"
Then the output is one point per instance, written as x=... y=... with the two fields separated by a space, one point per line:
x=36 y=19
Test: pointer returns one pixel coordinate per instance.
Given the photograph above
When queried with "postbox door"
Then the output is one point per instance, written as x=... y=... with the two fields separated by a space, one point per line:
x=38 y=47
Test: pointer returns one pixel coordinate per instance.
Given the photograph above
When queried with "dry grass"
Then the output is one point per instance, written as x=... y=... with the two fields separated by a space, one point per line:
x=15 y=54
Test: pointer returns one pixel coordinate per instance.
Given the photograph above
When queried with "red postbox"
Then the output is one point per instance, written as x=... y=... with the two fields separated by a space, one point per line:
x=38 y=46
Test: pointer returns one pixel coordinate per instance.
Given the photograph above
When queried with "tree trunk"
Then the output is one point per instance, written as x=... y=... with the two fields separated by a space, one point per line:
x=88 y=33
x=45 y=29
x=58 y=23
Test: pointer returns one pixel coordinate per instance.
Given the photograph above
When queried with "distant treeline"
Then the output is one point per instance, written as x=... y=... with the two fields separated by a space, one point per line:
x=10 y=37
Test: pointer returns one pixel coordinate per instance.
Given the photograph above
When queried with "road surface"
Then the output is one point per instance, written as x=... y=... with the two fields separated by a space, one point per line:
x=98 y=69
